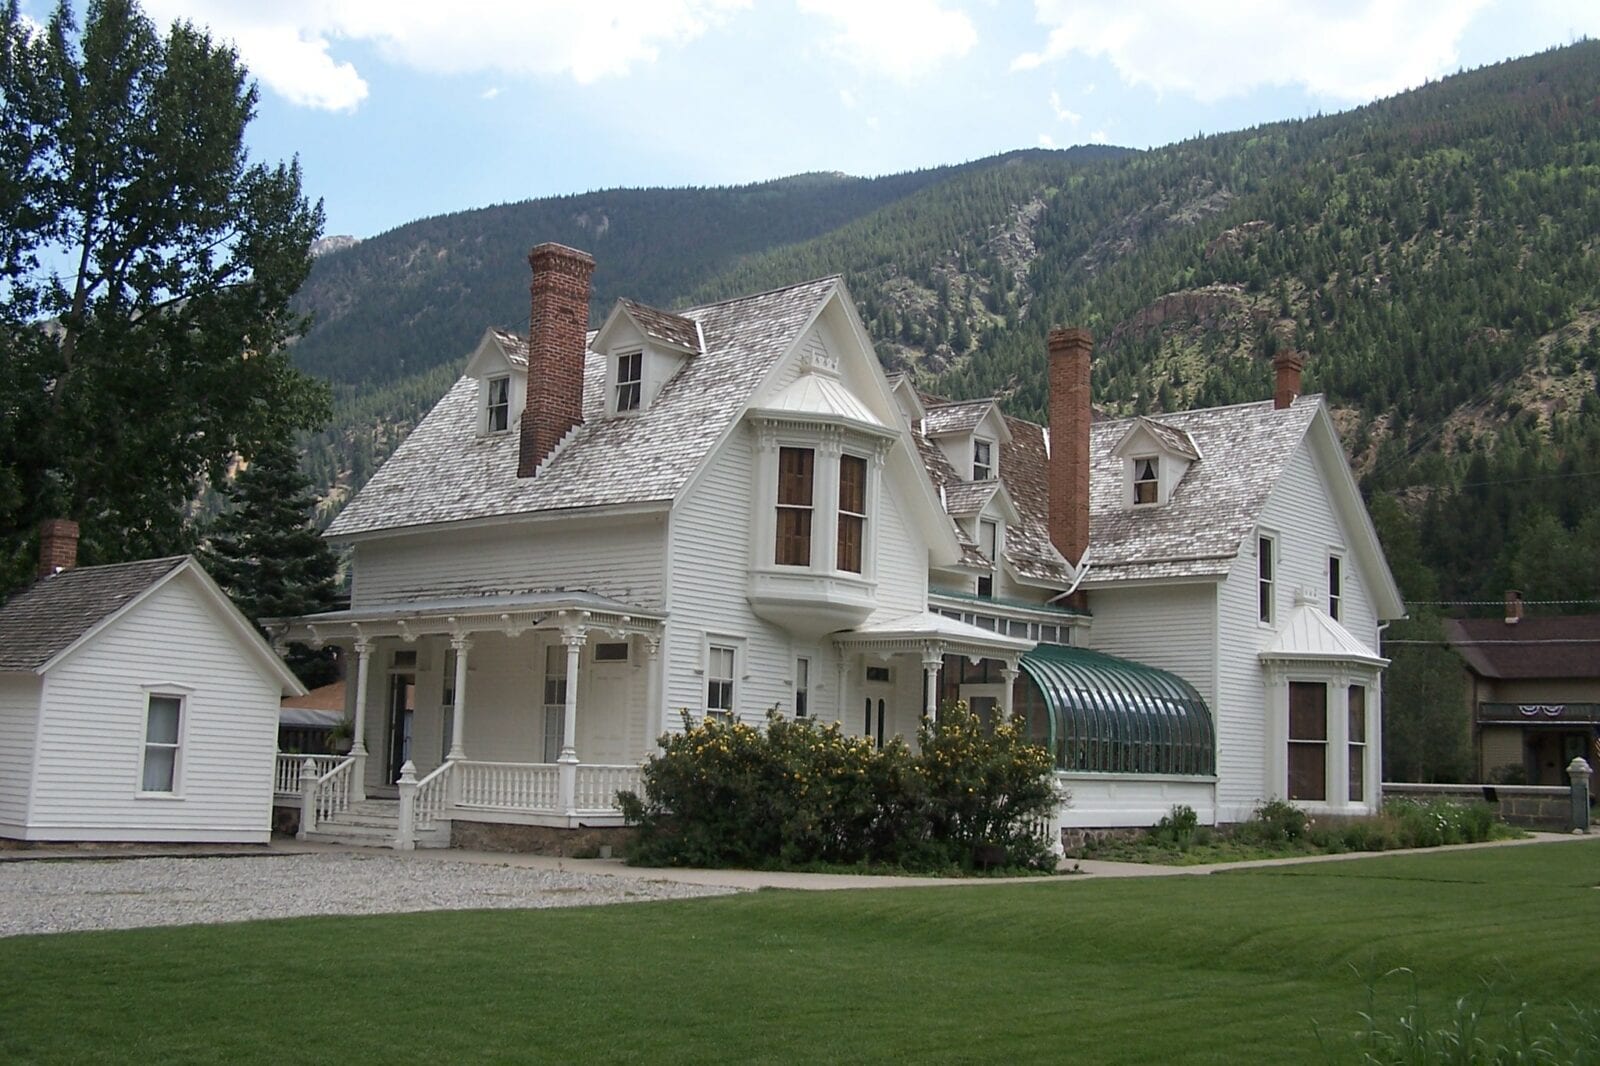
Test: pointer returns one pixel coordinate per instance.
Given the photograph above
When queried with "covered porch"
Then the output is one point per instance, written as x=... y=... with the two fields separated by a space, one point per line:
x=533 y=709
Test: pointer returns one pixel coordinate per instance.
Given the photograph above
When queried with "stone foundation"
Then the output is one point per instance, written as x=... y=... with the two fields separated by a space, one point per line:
x=1540 y=807
x=584 y=842
x=1072 y=839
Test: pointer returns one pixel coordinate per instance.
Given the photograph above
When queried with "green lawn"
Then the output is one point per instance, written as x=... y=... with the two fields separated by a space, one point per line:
x=1230 y=968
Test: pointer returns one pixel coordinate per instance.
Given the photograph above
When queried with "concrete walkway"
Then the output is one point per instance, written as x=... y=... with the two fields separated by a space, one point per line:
x=1076 y=870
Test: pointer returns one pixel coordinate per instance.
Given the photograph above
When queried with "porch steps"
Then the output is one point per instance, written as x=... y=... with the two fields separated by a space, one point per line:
x=372 y=823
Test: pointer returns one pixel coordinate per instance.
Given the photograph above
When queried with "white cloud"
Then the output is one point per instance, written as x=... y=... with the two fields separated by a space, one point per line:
x=1346 y=50
x=490 y=93
x=1099 y=137
x=1046 y=141
x=1071 y=118
x=901 y=39
x=847 y=98
x=287 y=43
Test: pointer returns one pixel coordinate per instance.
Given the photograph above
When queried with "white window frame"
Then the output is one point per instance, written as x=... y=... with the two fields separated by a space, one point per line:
x=1154 y=481
x=1335 y=584
x=991 y=548
x=633 y=387
x=1355 y=747
x=627 y=652
x=802 y=686
x=714 y=645
x=180 y=694
x=1267 y=578
x=864 y=515
x=490 y=406
x=988 y=466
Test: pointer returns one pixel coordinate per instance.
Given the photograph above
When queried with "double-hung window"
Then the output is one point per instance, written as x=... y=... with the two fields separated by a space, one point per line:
x=163 y=721
x=982 y=460
x=989 y=544
x=1357 y=738
x=719 y=679
x=630 y=375
x=1146 y=480
x=498 y=412
x=1308 y=740
x=852 y=512
x=802 y=686
x=1266 y=563
x=1335 y=585
x=795 y=469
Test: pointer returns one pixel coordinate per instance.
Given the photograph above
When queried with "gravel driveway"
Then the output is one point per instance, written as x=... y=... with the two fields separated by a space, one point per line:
x=52 y=897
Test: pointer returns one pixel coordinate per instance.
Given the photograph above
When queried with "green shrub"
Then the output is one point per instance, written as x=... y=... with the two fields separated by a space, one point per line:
x=1428 y=824
x=797 y=794
x=1277 y=822
x=1177 y=829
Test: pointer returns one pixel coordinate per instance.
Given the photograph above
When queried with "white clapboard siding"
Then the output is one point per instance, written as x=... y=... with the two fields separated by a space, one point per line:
x=620 y=558
x=19 y=717
x=86 y=785
x=1172 y=627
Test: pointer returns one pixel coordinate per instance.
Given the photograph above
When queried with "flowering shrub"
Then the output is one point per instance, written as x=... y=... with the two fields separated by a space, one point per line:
x=799 y=794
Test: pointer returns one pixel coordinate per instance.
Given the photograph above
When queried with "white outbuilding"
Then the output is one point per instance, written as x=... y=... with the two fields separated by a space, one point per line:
x=136 y=704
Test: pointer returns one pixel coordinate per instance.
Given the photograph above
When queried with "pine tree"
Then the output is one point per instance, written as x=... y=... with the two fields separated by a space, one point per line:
x=268 y=558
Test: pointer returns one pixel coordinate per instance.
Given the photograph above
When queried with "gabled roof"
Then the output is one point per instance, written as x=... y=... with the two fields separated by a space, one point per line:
x=1171 y=439
x=1310 y=633
x=1560 y=647
x=1198 y=532
x=662 y=327
x=969 y=497
x=446 y=472
x=55 y=615
x=964 y=416
x=943 y=476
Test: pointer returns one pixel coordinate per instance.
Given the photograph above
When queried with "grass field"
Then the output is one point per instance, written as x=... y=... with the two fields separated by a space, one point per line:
x=1235 y=967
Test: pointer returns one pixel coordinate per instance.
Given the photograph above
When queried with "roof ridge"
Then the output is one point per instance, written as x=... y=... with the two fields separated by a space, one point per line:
x=756 y=295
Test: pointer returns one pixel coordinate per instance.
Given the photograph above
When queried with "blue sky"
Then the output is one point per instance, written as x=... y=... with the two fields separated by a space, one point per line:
x=401 y=109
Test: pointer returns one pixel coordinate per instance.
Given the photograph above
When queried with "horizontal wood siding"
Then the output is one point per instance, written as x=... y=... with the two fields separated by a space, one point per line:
x=91 y=744
x=19 y=707
x=1171 y=627
x=621 y=559
x=1241 y=709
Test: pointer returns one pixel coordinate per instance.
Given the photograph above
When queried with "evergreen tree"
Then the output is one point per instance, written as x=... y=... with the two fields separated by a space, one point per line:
x=267 y=556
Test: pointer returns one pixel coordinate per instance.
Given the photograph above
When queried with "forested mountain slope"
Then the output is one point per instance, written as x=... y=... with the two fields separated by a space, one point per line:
x=1436 y=255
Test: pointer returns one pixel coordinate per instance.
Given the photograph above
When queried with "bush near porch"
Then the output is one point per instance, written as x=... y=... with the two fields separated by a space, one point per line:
x=797 y=794
x=1280 y=829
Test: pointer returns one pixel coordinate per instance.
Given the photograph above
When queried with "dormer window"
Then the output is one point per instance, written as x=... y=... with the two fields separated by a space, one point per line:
x=498 y=407
x=630 y=379
x=982 y=460
x=1146 y=480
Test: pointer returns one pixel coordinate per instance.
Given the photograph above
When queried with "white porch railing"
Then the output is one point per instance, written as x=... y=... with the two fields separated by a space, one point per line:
x=286 y=773
x=433 y=795
x=509 y=786
x=332 y=795
x=598 y=786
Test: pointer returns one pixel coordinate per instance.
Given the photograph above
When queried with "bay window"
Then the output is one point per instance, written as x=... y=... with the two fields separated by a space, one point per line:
x=795 y=471
x=1308 y=740
x=852 y=512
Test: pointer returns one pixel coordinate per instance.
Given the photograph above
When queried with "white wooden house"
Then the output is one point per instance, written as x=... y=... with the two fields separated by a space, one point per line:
x=136 y=704
x=731 y=509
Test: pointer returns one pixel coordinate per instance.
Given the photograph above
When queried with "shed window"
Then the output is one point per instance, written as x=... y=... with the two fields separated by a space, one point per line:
x=630 y=372
x=1146 y=480
x=795 y=467
x=852 y=512
x=1308 y=740
x=163 y=716
x=498 y=410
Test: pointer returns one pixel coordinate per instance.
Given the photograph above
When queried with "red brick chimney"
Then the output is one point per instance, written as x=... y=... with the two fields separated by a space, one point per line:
x=58 y=545
x=1288 y=365
x=557 y=332
x=1069 y=441
x=1513 y=607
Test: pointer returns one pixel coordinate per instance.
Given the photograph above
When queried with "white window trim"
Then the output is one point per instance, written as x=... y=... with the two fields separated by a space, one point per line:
x=615 y=383
x=1336 y=555
x=865 y=514
x=994 y=463
x=484 y=426
x=1274 y=582
x=180 y=693
x=1134 y=481
x=802 y=685
x=737 y=646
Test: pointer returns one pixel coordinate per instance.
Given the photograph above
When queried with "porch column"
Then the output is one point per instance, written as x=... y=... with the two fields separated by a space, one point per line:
x=458 y=714
x=932 y=660
x=574 y=638
x=1009 y=673
x=358 y=749
x=655 y=716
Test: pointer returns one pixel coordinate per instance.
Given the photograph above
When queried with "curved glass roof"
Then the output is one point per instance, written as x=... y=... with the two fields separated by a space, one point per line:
x=1102 y=714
